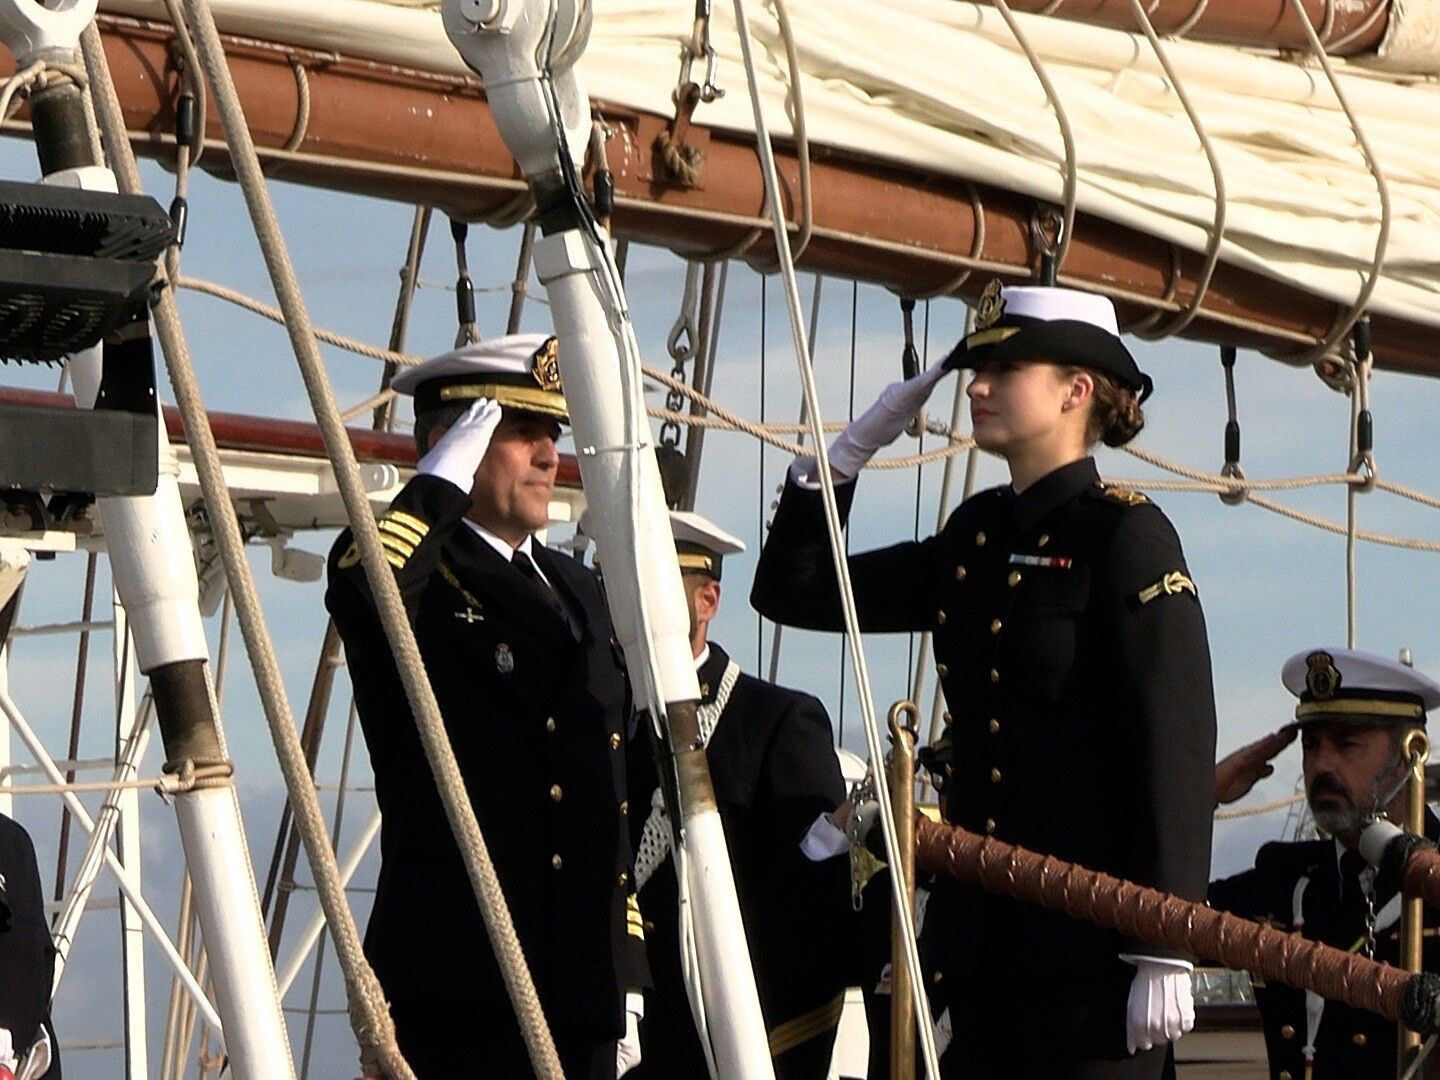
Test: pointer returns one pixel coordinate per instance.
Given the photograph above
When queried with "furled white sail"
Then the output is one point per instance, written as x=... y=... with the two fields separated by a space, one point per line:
x=944 y=87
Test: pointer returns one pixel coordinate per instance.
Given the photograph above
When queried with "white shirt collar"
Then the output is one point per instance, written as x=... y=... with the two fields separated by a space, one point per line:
x=704 y=656
x=506 y=550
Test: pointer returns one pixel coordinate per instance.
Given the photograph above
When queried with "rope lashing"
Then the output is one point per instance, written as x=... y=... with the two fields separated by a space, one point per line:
x=1231 y=470
x=467 y=333
x=1162 y=919
x=683 y=160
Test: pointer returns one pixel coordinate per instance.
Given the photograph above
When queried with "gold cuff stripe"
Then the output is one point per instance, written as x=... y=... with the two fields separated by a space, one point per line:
x=420 y=526
x=1172 y=583
x=803 y=1028
x=990 y=337
x=395 y=544
x=528 y=398
x=1360 y=707
x=396 y=560
x=405 y=532
x=634 y=923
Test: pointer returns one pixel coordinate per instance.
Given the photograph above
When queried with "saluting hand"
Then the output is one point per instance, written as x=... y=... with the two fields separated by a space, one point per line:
x=882 y=423
x=1237 y=773
x=457 y=454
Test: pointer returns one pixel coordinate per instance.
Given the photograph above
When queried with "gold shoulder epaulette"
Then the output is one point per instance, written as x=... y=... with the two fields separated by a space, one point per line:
x=1174 y=582
x=1123 y=495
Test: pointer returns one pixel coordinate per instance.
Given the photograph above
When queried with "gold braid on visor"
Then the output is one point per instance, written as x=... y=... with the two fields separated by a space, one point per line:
x=526 y=398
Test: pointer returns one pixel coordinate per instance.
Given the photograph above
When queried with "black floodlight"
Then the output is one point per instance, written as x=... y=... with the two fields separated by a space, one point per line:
x=71 y=221
x=76 y=268
x=74 y=265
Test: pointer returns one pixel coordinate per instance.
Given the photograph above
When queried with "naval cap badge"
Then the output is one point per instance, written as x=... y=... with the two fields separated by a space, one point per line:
x=1322 y=677
x=990 y=307
x=545 y=365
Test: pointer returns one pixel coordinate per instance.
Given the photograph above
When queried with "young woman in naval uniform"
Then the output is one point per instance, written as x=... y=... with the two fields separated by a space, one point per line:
x=1071 y=648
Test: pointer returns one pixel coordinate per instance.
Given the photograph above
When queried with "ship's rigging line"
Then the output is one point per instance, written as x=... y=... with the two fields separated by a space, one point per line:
x=903 y=909
x=1195 y=480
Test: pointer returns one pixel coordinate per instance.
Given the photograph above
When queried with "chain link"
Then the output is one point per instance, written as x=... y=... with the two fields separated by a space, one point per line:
x=681 y=344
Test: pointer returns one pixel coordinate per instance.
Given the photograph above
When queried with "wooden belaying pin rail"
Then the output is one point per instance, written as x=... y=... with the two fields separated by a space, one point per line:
x=1162 y=919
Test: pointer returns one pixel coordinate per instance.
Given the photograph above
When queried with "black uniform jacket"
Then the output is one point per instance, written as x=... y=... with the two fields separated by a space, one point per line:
x=1351 y=1043
x=536 y=720
x=27 y=952
x=1081 y=715
x=773 y=765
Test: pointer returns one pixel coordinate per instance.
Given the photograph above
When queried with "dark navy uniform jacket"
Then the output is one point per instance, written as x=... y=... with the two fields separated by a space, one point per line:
x=1071 y=648
x=537 y=721
x=1351 y=1043
x=27 y=952
x=773 y=766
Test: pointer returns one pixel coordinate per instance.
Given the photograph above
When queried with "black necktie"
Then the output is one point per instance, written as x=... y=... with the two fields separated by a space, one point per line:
x=526 y=566
x=1353 y=902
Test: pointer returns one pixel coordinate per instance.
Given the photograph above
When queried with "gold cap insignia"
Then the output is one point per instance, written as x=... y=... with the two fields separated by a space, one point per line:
x=545 y=365
x=990 y=307
x=1322 y=677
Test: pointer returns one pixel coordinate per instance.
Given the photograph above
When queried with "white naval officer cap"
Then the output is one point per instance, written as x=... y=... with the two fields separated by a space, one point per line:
x=1337 y=685
x=1049 y=322
x=700 y=544
x=519 y=371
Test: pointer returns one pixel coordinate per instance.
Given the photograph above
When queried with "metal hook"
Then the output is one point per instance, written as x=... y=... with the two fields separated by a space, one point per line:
x=1047 y=235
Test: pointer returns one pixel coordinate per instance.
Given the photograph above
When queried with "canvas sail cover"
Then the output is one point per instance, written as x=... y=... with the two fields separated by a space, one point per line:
x=943 y=87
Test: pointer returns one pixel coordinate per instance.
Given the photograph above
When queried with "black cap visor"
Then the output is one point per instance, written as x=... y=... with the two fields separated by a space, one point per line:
x=1069 y=342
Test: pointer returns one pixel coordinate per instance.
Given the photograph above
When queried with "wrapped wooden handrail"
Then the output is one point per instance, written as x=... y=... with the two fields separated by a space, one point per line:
x=1162 y=919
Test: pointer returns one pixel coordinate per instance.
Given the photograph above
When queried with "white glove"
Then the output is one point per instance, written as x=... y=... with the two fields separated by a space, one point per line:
x=457 y=455
x=627 y=1050
x=1161 y=1006
x=882 y=423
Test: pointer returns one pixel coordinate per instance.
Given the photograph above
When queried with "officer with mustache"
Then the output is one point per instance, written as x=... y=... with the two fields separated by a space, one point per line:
x=1354 y=712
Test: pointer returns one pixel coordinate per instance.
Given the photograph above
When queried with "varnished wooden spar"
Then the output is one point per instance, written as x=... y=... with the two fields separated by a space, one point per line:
x=393 y=133
x=1349 y=29
x=236 y=431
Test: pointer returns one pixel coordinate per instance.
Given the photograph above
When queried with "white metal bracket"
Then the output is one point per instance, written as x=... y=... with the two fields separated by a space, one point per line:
x=30 y=28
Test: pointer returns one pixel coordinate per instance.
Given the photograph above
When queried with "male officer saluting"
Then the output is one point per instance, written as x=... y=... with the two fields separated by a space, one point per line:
x=517 y=644
x=773 y=764
x=1354 y=712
